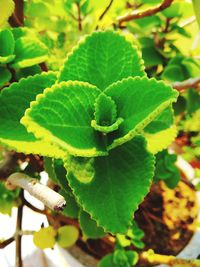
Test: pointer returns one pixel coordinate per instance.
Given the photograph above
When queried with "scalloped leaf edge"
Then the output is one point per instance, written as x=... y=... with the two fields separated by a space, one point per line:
x=117 y=33
x=47 y=136
x=147 y=189
x=138 y=129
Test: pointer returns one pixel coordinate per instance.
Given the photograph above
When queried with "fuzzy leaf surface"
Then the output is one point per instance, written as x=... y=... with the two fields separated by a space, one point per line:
x=120 y=182
x=63 y=115
x=14 y=100
x=89 y=226
x=29 y=52
x=7 y=46
x=101 y=59
x=139 y=101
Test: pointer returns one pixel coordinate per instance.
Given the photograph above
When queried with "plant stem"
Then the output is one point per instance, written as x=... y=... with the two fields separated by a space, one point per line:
x=189 y=83
x=18 y=237
x=104 y=13
x=7 y=242
x=79 y=19
x=49 y=197
x=141 y=14
x=17 y=18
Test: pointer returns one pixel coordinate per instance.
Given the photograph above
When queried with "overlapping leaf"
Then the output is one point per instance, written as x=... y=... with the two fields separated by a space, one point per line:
x=101 y=59
x=14 y=100
x=139 y=101
x=7 y=46
x=29 y=52
x=120 y=182
x=63 y=116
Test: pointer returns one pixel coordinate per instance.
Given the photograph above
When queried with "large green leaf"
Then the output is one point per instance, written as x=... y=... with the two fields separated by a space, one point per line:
x=101 y=59
x=7 y=45
x=29 y=52
x=139 y=101
x=162 y=122
x=121 y=181
x=14 y=100
x=89 y=226
x=63 y=115
x=5 y=76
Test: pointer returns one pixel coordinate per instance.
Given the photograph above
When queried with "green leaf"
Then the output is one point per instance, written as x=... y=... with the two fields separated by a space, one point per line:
x=7 y=46
x=60 y=173
x=161 y=140
x=105 y=110
x=72 y=208
x=139 y=101
x=5 y=76
x=107 y=129
x=151 y=57
x=89 y=226
x=120 y=258
x=193 y=101
x=29 y=71
x=166 y=169
x=14 y=100
x=29 y=52
x=49 y=168
x=192 y=66
x=67 y=236
x=107 y=261
x=162 y=122
x=101 y=59
x=7 y=8
x=116 y=189
x=67 y=123
x=173 y=11
x=173 y=73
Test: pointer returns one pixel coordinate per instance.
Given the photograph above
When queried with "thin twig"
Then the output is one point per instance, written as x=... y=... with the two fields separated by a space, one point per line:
x=79 y=19
x=18 y=237
x=30 y=206
x=189 y=83
x=104 y=13
x=6 y=242
x=141 y=14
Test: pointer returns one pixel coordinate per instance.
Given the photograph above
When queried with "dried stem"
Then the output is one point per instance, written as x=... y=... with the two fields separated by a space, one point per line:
x=141 y=14
x=18 y=237
x=49 y=197
x=6 y=242
x=190 y=83
x=104 y=13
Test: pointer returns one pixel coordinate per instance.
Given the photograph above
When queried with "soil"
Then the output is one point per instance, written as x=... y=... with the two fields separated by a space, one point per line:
x=168 y=218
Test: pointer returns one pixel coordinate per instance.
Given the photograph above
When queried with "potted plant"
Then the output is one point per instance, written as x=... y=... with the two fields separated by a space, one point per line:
x=105 y=127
